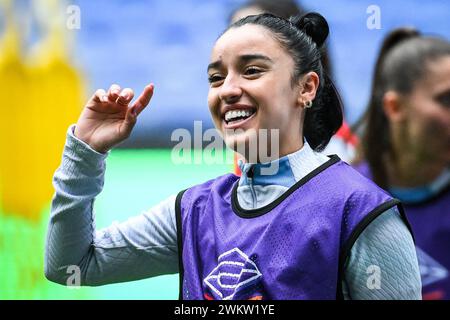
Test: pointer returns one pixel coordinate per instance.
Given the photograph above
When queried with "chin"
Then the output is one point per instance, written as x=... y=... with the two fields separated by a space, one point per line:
x=244 y=144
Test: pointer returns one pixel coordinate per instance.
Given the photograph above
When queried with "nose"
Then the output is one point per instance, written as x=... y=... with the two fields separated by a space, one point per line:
x=230 y=90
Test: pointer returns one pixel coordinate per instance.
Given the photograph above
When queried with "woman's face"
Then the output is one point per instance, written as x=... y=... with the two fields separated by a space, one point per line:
x=250 y=77
x=428 y=113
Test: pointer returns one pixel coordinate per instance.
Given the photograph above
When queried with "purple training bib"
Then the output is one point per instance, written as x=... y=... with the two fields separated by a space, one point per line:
x=293 y=248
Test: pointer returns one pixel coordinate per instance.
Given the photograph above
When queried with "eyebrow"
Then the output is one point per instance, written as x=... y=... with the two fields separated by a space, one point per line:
x=244 y=58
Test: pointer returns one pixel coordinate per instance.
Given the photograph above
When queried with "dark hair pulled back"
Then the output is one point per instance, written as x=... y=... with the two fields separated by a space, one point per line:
x=303 y=37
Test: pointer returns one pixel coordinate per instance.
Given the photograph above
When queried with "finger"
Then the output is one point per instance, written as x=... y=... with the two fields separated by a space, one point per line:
x=129 y=122
x=100 y=96
x=125 y=96
x=144 y=99
x=113 y=92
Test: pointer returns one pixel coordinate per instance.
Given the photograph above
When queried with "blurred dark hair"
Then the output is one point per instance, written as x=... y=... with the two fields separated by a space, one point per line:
x=284 y=9
x=402 y=61
x=281 y=8
x=302 y=37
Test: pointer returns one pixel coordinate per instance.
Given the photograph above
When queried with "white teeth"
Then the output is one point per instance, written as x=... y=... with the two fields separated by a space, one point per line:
x=230 y=115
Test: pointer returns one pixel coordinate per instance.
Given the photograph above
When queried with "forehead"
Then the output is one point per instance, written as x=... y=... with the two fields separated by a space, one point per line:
x=437 y=75
x=247 y=39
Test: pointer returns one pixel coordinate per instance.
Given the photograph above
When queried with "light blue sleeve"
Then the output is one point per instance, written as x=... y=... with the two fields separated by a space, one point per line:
x=143 y=246
x=382 y=264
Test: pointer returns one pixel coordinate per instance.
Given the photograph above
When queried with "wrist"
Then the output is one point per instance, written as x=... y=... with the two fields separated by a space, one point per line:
x=87 y=143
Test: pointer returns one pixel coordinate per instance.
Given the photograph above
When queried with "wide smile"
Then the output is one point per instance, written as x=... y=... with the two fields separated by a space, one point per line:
x=236 y=118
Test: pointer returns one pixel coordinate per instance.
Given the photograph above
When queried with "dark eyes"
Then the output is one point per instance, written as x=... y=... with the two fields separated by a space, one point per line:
x=252 y=71
x=249 y=71
x=444 y=99
x=215 y=78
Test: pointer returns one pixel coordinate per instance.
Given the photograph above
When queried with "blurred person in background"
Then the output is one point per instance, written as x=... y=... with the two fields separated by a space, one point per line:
x=344 y=142
x=405 y=147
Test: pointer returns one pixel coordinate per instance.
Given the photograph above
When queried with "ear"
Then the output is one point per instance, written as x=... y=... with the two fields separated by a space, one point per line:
x=309 y=84
x=394 y=106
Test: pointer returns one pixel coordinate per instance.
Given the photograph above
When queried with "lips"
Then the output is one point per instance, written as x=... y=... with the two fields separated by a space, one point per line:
x=235 y=116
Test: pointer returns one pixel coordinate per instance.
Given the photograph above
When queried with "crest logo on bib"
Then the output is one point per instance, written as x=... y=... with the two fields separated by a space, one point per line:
x=235 y=277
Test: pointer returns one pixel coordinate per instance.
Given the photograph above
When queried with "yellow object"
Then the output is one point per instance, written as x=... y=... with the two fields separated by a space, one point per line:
x=45 y=97
x=13 y=92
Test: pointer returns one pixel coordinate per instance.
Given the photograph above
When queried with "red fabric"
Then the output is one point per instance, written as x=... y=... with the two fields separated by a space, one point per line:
x=347 y=135
x=237 y=170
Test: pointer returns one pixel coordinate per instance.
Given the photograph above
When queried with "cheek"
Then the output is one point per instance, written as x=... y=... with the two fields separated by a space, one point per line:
x=272 y=98
x=428 y=118
x=430 y=128
x=213 y=103
x=281 y=109
x=438 y=125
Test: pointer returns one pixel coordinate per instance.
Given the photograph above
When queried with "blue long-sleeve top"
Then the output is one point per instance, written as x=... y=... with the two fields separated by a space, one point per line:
x=146 y=245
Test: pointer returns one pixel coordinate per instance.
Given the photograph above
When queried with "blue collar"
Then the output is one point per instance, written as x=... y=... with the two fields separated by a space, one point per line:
x=423 y=193
x=291 y=168
x=283 y=177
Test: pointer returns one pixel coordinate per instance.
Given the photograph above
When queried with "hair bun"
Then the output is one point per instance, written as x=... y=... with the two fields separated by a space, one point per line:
x=314 y=25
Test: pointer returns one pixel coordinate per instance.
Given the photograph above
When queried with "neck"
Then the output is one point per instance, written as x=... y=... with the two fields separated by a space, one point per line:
x=408 y=171
x=270 y=155
x=291 y=148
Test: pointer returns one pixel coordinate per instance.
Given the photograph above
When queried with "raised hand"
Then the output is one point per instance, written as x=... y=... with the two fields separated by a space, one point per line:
x=108 y=119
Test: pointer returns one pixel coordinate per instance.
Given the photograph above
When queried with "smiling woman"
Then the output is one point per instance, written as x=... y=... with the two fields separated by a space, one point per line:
x=262 y=78
x=309 y=230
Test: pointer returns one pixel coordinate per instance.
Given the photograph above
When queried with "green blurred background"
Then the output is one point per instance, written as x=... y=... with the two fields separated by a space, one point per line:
x=135 y=180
